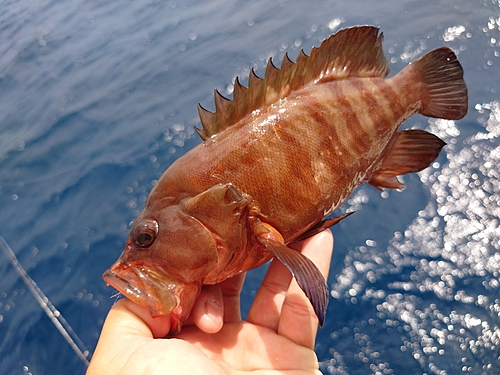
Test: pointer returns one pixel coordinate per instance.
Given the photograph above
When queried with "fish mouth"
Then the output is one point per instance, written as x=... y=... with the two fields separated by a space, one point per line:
x=143 y=287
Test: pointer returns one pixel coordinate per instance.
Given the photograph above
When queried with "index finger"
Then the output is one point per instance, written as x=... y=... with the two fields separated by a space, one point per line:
x=231 y=290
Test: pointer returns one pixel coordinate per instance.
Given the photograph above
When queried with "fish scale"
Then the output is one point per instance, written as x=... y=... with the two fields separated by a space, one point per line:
x=285 y=152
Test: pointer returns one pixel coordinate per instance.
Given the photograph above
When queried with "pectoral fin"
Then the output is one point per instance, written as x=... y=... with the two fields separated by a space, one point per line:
x=308 y=276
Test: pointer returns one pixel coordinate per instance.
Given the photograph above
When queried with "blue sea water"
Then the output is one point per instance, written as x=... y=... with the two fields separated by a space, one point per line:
x=98 y=98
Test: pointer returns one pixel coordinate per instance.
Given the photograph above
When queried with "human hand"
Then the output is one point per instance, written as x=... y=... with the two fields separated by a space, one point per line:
x=278 y=335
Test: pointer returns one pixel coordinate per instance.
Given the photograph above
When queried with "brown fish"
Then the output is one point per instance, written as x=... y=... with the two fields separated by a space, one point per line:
x=276 y=160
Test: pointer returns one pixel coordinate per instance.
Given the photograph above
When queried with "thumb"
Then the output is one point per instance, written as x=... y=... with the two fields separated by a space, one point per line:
x=127 y=318
x=127 y=328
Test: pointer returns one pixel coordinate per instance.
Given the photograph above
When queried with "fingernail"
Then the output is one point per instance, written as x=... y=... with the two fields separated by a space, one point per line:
x=212 y=307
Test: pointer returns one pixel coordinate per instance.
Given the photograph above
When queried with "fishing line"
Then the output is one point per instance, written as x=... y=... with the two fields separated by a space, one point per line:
x=54 y=315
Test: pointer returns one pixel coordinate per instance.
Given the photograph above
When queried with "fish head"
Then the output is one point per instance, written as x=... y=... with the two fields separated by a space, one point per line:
x=165 y=260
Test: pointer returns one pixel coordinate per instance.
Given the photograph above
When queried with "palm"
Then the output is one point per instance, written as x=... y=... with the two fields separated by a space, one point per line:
x=277 y=336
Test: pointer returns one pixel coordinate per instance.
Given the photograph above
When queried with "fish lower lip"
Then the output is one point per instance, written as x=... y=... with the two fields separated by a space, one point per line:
x=122 y=285
x=143 y=287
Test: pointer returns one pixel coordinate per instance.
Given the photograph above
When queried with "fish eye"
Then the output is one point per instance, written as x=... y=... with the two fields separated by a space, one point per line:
x=144 y=239
x=145 y=232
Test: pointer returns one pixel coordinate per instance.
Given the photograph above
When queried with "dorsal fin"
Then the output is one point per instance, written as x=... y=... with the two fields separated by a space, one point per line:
x=353 y=52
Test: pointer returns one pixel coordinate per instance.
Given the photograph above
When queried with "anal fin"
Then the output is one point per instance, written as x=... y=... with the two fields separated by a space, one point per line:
x=410 y=151
x=307 y=275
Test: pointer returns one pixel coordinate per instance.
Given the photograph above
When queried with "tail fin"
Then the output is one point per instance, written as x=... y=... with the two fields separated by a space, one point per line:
x=444 y=94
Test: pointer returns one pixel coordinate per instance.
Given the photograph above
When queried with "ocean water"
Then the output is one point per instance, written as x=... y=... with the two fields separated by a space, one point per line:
x=98 y=98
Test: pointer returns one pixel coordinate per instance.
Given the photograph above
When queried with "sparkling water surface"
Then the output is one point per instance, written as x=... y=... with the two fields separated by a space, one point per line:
x=98 y=98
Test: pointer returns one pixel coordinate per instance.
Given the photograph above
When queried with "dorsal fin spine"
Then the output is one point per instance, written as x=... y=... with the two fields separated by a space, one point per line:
x=287 y=70
x=239 y=90
x=206 y=118
x=270 y=79
x=255 y=88
x=253 y=81
x=302 y=60
x=238 y=94
x=221 y=102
